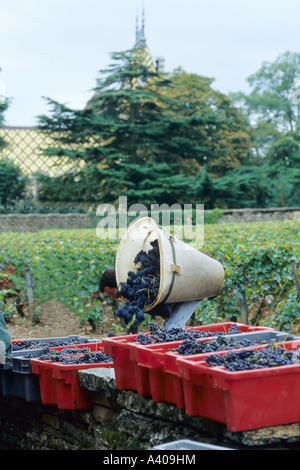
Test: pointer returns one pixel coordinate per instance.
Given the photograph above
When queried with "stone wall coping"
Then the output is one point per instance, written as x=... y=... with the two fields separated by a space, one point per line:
x=268 y=209
x=225 y=211
x=102 y=381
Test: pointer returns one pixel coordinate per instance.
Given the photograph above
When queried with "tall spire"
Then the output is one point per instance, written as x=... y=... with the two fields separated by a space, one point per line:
x=137 y=28
x=143 y=23
x=140 y=39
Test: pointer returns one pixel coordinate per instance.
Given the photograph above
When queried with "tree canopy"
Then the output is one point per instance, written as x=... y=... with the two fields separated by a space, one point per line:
x=3 y=107
x=272 y=89
x=149 y=134
x=172 y=138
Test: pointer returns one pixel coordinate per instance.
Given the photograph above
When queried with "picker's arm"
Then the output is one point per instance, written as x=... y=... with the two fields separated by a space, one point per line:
x=176 y=315
x=182 y=312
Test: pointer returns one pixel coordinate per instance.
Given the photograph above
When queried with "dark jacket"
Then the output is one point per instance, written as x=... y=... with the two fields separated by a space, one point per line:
x=4 y=335
x=161 y=310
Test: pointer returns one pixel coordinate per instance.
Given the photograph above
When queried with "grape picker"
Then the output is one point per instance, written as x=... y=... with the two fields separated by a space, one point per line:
x=140 y=291
x=4 y=335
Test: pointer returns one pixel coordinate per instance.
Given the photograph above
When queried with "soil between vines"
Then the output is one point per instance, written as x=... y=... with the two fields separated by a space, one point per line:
x=55 y=320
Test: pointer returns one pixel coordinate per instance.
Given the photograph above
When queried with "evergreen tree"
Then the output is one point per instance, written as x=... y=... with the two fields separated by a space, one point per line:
x=3 y=107
x=130 y=131
x=226 y=145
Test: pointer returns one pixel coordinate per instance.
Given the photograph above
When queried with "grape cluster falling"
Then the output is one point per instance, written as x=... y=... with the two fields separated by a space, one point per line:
x=141 y=287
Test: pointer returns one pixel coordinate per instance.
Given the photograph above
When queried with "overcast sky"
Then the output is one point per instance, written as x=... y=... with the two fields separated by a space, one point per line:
x=55 y=48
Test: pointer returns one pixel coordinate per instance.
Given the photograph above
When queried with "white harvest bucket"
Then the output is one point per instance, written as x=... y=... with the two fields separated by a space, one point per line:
x=186 y=274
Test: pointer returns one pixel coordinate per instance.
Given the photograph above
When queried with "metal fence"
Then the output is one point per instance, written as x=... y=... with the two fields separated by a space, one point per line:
x=25 y=146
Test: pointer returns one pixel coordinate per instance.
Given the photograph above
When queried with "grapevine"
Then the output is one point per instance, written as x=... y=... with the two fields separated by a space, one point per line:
x=259 y=264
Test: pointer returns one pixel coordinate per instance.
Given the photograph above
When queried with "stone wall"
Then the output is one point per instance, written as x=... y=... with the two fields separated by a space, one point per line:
x=260 y=215
x=121 y=420
x=35 y=222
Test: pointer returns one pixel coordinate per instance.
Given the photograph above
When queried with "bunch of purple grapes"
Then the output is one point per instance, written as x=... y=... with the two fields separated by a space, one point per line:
x=72 y=356
x=35 y=343
x=88 y=358
x=161 y=334
x=221 y=343
x=248 y=359
x=141 y=287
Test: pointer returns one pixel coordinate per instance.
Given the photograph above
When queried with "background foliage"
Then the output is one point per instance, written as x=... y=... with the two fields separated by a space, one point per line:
x=66 y=265
x=174 y=138
x=4 y=103
x=168 y=138
x=12 y=184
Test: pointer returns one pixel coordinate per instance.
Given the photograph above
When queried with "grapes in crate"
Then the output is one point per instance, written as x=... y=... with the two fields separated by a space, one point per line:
x=161 y=334
x=189 y=347
x=270 y=356
x=73 y=356
x=36 y=343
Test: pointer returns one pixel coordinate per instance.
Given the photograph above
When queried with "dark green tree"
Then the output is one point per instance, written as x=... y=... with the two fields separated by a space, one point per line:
x=286 y=150
x=3 y=107
x=12 y=181
x=225 y=146
x=12 y=184
x=272 y=109
x=273 y=97
x=134 y=135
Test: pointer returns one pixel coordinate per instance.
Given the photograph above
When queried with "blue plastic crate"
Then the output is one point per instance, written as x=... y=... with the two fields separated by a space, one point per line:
x=18 y=384
x=187 y=444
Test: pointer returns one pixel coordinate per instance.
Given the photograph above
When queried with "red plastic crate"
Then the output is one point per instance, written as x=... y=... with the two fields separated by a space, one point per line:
x=161 y=360
x=130 y=375
x=70 y=394
x=59 y=383
x=165 y=385
x=46 y=383
x=127 y=373
x=242 y=400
